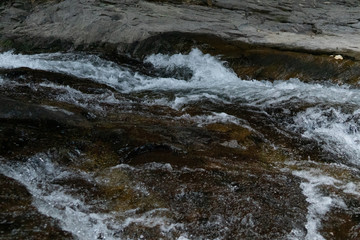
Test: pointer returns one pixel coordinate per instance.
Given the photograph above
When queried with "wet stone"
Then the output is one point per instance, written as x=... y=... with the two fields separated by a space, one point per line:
x=21 y=220
x=156 y=161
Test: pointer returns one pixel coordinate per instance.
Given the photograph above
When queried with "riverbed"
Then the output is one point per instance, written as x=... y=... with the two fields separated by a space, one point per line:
x=181 y=148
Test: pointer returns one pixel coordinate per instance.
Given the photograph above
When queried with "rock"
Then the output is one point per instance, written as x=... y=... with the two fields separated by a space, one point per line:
x=19 y=218
x=280 y=24
x=260 y=40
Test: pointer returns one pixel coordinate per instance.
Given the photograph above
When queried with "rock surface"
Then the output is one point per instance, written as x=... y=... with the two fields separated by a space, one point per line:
x=221 y=179
x=307 y=25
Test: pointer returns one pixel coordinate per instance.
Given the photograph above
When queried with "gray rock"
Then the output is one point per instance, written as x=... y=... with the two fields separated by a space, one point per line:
x=312 y=25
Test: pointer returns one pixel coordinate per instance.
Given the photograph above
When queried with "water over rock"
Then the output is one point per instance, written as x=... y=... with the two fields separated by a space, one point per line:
x=123 y=146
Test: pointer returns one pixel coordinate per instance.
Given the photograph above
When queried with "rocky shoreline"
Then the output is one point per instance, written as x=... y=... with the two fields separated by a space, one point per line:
x=258 y=39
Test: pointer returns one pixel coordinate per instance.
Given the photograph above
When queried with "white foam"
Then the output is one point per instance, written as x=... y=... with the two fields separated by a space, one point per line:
x=319 y=204
x=352 y=188
x=123 y=166
x=214 y=117
x=157 y=166
x=212 y=81
x=210 y=76
x=181 y=101
x=296 y=234
x=150 y=221
x=39 y=175
x=182 y=238
x=82 y=66
x=90 y=101
x=336 y=131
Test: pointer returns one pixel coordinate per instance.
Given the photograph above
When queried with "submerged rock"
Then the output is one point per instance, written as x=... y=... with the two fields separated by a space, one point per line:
x=121 y=152
x=135 y=165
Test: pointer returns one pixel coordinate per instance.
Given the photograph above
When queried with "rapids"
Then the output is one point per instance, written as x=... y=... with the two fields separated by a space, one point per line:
x=188 y=136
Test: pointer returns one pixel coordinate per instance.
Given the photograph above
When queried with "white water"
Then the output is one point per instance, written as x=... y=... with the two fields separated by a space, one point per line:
x=212 y=81
x=202 y=120
x=79 y=65
x=315 y=185
x=40 y=176
x=330 y=116
x=319 y=204
x=337 y=131
x=210 y=76
x=37 y=175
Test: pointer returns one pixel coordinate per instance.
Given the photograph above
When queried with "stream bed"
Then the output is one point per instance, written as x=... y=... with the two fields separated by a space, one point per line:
x=180 y=149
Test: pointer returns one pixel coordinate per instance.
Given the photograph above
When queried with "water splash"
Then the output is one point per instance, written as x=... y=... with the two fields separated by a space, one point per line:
x=212 y=81
x=202 y=120
x=338 y=132
x=79 y=65
x=319 y=204
x=38 y=175
x=42 y=178
x=210 y=76
x=311 y=109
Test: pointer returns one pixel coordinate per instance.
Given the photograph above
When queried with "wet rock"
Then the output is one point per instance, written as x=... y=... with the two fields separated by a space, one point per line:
x=11 y=109
x=255 y=62
x=19 y=219
x=217 y=180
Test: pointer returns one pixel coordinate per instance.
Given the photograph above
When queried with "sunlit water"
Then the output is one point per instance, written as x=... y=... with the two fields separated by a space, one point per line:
x=325 y=113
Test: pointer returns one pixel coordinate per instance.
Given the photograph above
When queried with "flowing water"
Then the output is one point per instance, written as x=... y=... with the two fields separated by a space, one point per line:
x=186 y=150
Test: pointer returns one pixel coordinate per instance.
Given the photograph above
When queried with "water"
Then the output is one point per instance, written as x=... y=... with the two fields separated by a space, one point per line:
x=43 y=179
x=316 y=124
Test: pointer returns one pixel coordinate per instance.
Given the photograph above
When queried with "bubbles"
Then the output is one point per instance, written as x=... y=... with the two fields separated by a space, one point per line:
x=209 y=77
x=327 y=114
x=43 y=179
x=334 y=128
x=202 y=120
x=338 y=132
x=79 y=65
x=319 y=204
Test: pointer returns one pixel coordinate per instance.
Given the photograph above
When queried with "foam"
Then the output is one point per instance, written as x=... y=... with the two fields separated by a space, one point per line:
x=210 y=76
x=79 y=65
x=352 y=188
x=214 y=117
x=90 y=101
x=336 y=131
x=39 y=175
x=319 y=204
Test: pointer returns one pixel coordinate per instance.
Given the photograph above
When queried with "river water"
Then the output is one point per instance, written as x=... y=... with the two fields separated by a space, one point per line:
x=183 y=150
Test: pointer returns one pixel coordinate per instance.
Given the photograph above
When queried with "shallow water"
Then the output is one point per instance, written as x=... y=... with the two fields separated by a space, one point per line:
x=108 y=152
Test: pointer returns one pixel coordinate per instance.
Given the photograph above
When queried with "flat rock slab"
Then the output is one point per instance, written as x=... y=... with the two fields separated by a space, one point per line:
x=296 y=25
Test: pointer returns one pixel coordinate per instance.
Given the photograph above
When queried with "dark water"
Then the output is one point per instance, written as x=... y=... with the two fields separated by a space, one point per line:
x=187 y=151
